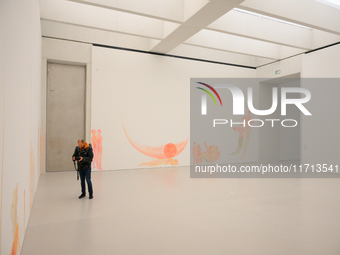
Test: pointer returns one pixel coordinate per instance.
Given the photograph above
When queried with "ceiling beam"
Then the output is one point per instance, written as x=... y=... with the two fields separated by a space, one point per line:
x=231 y=43
x=168 y=10
x=258 y=28
x=73 y=32
x=218 y=55
x=308 y=13
x=198 y=21
x=102 y=19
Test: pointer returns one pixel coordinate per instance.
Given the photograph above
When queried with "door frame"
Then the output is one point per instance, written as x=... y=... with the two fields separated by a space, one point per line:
x=46 y=103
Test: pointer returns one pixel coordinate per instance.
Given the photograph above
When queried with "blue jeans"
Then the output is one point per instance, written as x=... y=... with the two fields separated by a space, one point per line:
x=85 y=174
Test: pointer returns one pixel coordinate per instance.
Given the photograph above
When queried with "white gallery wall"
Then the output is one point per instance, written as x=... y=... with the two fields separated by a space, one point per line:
x=278 y=143
x=324 y=147
x=289 y=138
x=20 y=115
x=319 y=142
x=150 y=94
x=324 y=63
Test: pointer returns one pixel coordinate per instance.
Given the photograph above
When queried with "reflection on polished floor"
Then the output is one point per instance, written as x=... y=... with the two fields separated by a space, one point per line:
x=164 y=211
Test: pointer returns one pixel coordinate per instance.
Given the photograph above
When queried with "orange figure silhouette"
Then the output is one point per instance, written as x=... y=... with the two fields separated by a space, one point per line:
x=197 y=153
x=15 y=225
x=96 y=141
x=94 y=146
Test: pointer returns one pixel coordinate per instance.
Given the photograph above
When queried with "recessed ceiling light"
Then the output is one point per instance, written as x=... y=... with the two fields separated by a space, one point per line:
x=333 y=3
x=271 y=18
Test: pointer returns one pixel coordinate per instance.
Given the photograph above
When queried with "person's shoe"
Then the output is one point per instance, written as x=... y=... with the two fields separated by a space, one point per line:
x=82 y=195
x=91 y=196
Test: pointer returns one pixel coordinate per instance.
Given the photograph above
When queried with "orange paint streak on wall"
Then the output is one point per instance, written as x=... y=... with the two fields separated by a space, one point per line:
x=31 y=176
x=24 y=228
x=39 y=150
x=15 y=244
x=15 y=224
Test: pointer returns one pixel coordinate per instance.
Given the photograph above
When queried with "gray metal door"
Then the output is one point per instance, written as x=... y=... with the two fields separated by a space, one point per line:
x=65 y=114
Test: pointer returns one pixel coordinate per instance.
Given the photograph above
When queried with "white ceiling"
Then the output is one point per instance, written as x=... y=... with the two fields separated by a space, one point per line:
x=257 y=32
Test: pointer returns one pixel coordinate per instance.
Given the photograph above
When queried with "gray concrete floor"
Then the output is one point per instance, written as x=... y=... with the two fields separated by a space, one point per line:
x=164 y=211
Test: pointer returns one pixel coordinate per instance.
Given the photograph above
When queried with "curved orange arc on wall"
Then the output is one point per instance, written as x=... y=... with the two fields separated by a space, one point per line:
x=156 y=152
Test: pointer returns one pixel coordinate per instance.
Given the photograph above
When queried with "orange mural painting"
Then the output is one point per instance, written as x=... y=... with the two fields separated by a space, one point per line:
x=163 y=153
x=96 y=141
x=210 y=155
x=157 y=162
x=243 y=131
x=15 y=224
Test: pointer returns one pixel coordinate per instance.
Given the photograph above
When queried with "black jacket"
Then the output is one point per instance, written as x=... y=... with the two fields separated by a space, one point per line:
x=87 y=155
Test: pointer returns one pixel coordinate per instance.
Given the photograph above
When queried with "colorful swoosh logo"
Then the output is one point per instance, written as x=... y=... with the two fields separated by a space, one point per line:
x=212 y=89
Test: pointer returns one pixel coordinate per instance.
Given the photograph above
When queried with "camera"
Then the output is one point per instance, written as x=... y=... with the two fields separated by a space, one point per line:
x=77 y=158
x=81 y=154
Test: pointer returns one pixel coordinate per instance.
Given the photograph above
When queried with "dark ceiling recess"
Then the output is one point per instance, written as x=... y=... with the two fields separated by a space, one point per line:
x=323 y=47
x=173 y=56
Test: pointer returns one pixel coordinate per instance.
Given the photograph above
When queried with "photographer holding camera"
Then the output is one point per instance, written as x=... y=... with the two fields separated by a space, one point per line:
x=83 y=154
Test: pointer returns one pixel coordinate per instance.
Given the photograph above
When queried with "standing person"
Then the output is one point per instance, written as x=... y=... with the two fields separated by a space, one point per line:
x=83 y=154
